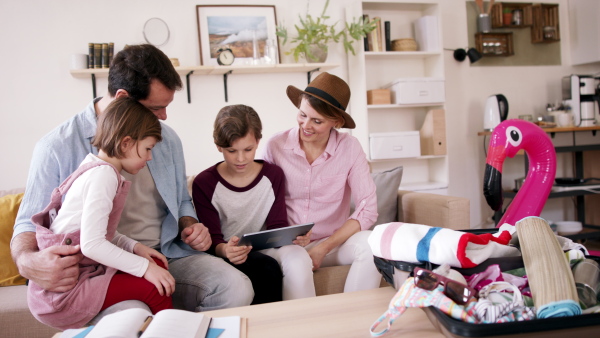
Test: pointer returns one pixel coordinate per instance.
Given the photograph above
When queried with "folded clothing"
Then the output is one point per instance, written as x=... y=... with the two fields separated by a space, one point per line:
x=414 y=243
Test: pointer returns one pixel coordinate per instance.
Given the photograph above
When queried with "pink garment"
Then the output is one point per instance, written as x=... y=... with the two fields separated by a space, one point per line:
x=74 y=308
x=320 y=192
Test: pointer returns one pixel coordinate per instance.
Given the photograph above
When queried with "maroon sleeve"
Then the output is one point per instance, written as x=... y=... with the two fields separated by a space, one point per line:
x=277 y=217
x=203 y=190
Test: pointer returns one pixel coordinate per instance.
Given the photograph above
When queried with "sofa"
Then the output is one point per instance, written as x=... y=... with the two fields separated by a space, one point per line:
x=412 y=207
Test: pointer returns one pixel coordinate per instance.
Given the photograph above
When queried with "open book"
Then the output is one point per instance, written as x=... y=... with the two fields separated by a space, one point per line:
x=165 y=324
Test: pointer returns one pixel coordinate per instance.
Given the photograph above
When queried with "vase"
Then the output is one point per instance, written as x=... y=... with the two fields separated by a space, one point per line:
x=319 y=52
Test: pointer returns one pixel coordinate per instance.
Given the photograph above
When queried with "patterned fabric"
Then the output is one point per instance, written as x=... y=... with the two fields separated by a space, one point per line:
x=411 y=296
x=497 y=306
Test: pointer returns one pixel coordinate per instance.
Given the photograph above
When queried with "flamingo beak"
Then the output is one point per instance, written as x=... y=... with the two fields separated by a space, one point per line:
x=492 y=187
x=492 y=179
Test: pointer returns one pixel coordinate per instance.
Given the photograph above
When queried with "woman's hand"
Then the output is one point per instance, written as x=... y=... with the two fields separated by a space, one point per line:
x=303 y=240
x=147 y=252
x=317 y=254
x=234 y=253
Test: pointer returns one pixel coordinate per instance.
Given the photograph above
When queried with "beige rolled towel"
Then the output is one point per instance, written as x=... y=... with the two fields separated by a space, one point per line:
x=550 y=277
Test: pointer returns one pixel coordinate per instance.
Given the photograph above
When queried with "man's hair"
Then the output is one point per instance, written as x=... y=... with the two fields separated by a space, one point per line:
x=234 y=122
x=324 y=109
x=134 y=67
x=125 y=117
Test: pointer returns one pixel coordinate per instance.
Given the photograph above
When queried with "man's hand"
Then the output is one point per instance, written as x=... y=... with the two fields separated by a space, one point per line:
x=54 y=269
x=234 y=253
x=196 y=236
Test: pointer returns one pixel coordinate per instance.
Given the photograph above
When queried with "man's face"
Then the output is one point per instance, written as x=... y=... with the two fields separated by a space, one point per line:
x=158 y=99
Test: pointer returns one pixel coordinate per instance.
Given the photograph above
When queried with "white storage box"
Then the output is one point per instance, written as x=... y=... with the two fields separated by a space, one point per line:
x=395 y=145
x=417 y=90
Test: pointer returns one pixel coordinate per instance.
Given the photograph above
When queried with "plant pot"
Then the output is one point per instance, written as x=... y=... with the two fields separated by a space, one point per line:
x=319 y=52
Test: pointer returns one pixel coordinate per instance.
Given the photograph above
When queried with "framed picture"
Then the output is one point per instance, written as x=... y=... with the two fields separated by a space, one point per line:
x=248 y=30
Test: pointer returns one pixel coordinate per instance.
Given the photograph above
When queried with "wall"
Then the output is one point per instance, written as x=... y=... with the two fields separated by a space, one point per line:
x=38 y=93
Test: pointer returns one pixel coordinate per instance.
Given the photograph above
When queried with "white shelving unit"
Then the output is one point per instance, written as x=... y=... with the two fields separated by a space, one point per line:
x=309 y=68
x=374 y=70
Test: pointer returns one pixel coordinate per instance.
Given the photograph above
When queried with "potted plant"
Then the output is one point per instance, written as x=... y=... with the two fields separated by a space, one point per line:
x=313 y=35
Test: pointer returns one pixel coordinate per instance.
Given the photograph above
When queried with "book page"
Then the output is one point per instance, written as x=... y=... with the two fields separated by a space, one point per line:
x=230 y=324
x=177 y=323
x=122 y=324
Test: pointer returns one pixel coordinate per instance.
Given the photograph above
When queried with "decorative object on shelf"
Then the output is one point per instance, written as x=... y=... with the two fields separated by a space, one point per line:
x=233 y=25
x=404 y=45
x=484 y=22
x=100 y=55
x=494 y=44
x=156 y=32
x=225 y=56
x=79 y=61
x=461 y=54
x=315 y=31
x=545 y=26
x=174 y=62
x=379 y=96
x=427 y=33
x=511 y=15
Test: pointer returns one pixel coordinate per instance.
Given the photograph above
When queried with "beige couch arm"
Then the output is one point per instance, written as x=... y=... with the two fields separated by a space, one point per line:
x=434 y=210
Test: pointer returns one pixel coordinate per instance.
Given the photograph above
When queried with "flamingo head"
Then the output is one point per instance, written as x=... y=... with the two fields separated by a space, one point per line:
x=507 y=139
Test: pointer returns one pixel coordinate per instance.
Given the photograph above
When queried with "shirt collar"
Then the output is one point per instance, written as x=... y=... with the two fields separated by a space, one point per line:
x=293 y=142
x=90 y=120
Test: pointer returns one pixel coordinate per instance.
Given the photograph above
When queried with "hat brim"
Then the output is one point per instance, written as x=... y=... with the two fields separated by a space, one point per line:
x=294 y=94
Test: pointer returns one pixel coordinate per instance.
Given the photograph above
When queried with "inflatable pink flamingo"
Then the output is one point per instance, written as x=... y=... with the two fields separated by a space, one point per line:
x=507 y=139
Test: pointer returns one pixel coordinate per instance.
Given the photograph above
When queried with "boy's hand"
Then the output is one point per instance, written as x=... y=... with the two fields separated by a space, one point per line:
x=236 y=254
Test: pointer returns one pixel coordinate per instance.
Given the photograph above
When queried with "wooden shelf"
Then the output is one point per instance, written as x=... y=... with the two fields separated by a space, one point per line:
x=498 y=14
x=402 y=55
x=494 y=44
x=309 y=68
x=545 y=16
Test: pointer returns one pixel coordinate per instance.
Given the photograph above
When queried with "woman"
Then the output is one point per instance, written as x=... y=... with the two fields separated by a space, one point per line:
x=324 y=169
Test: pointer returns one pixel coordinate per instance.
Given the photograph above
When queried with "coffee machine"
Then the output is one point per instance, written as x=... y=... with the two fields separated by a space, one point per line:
x=579 y=93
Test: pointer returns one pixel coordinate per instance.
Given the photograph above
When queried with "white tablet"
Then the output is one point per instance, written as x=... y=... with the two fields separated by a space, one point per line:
x=275 y=238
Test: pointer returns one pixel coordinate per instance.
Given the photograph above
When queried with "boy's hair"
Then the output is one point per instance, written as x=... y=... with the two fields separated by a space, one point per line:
x=324 y=109
x=134 y=67
x=234 y=122
x=125 y=117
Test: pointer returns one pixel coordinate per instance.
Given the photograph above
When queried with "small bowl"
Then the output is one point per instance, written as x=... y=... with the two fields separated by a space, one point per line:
x=568 y=227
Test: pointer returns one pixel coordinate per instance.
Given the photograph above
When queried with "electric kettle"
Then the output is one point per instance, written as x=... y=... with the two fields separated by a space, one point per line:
x=496 y=111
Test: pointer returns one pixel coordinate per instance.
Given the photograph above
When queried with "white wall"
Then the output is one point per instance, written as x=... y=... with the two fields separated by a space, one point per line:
x=37 y=92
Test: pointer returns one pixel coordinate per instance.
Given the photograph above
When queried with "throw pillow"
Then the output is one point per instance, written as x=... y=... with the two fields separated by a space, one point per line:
x=9 y=274
x=387 y=184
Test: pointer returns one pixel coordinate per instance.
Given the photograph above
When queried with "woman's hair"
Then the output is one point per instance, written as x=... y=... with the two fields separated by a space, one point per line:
x=324 y=109
x=125 y=117
x=234 y=122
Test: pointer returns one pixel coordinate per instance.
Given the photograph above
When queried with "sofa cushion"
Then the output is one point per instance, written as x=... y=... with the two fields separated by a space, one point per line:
x=9 y=274
x=387 y=184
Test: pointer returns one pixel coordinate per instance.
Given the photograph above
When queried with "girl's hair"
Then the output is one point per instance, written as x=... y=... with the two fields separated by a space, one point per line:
x=324 y=109
x=125 y=117
x=234 y=122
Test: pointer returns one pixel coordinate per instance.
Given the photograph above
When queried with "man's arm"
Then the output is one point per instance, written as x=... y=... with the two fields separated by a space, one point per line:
x=194 y=234
x=54 y=269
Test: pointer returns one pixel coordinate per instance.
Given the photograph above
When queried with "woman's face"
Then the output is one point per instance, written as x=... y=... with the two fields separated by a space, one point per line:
x=314 y=127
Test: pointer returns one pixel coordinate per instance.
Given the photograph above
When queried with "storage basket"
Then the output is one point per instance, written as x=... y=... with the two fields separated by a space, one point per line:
x=404 y=45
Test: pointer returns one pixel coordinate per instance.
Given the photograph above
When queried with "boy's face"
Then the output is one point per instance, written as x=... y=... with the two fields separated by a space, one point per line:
x=240 y=155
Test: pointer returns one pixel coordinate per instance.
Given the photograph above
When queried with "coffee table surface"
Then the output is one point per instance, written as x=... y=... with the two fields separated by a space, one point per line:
x=339 y=315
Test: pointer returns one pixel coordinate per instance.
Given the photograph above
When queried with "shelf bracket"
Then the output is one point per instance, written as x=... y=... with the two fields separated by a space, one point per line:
x=93 y=86
x=225 y=82
x=593 y=133
x=187 y=83
x=309 y=73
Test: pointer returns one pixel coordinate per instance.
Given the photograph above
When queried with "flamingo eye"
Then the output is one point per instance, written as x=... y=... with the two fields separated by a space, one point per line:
x=514 y=136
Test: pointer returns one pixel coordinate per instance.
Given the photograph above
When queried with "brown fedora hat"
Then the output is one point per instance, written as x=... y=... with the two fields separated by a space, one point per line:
x=329 y=89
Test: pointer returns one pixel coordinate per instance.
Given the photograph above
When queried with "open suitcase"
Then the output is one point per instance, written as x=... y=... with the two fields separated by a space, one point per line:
x=582 y=326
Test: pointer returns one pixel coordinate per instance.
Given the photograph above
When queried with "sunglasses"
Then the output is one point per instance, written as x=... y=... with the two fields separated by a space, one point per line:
x=427 y=280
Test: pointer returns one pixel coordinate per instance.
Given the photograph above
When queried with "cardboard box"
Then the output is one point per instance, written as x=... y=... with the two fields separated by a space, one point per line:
x=394 y=145
x=433 y=133
x=379 y=96
x=417 y=90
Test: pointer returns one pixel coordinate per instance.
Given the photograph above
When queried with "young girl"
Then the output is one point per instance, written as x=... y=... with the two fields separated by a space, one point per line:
x=242 y=195
x=113 y=264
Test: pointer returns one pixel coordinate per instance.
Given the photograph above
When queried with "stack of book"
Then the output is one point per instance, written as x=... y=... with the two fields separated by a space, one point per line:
x=100 y=54
x=379 y=39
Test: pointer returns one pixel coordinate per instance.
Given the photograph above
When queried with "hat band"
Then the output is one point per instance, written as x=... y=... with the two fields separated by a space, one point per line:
x=325 y=96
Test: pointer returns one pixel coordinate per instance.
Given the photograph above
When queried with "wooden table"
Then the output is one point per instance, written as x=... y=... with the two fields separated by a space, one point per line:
x=339 y=315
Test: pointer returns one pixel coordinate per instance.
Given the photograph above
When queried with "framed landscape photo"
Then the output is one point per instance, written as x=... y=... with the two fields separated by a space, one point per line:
x=236 y=27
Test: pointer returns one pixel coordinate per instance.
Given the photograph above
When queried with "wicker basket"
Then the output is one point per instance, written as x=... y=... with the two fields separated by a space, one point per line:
x=404 y=45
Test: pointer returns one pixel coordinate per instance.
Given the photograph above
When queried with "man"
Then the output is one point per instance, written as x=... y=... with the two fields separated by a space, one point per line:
x=158 y=211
